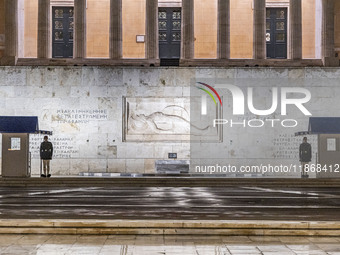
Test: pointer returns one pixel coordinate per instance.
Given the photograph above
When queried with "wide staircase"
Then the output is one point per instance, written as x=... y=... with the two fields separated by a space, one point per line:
x=170 y=206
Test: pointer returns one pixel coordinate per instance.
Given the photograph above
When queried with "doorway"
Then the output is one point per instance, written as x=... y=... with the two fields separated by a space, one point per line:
x=276 y=33
x=62 y=32
x=169 y=36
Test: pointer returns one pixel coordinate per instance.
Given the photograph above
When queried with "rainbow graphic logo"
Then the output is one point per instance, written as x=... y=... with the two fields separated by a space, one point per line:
x=210 y=91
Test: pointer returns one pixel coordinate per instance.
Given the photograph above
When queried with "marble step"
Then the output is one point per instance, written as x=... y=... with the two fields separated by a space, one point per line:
x=169 y=181
x=170 y=227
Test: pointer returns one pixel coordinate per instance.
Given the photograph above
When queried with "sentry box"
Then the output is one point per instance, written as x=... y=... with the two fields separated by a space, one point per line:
x=16 y=160
x=327 y=129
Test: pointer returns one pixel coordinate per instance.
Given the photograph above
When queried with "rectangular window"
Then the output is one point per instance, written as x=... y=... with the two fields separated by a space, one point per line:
x=15 y=144
x=331 y=144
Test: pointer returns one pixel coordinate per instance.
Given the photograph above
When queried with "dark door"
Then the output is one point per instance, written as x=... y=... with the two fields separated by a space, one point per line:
x=276 y=32
x=62 y=32
x=169 y=25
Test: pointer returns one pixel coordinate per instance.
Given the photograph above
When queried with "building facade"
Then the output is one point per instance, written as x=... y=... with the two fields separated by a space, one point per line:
x=97 y=74
x=170 y=32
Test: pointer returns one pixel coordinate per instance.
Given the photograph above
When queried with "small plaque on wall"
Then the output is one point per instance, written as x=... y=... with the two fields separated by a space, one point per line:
x=140 y=38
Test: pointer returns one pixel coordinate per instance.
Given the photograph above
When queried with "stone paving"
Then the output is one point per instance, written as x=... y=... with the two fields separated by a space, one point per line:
x=166 y=245
x=171 y=203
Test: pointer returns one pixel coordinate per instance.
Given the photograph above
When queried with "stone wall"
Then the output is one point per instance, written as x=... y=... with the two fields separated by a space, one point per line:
x=253 y=140
x=98 y=114
x=83 y=106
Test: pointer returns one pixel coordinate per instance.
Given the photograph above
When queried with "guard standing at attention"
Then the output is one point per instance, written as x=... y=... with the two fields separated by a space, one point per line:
x=305 y=155
x=46 y=152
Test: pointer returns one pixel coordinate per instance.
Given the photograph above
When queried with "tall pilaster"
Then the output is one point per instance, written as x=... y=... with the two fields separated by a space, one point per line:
x=79 y=29
x=328 y=52
x=187 y=29
x=259 y=48
x=116 y=38
x=295 y=22
x=223 y=49
x=43 y=28
x=11 y=33
x=152 y=29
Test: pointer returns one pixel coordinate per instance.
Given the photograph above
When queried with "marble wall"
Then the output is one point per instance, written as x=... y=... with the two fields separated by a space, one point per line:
x=266 y=141
x=85 y=107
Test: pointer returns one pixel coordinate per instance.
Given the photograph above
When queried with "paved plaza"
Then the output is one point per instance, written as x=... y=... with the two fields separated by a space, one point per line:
x=166 y=245
x=114 y=210
x=237 y=201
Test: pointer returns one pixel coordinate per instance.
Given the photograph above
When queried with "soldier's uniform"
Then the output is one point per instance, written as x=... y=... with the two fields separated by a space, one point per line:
x=305 y=153
x=46 y=152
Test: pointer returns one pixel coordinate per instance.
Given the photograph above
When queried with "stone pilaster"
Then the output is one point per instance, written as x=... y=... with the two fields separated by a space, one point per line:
x=223 y=49
x=295 y=21
x=43 y=28
x=328 y=52
x=187 y=29
x=152 y=29
x=11 y=33
x=259 y=48
x=116 y=50
x=79 y=29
